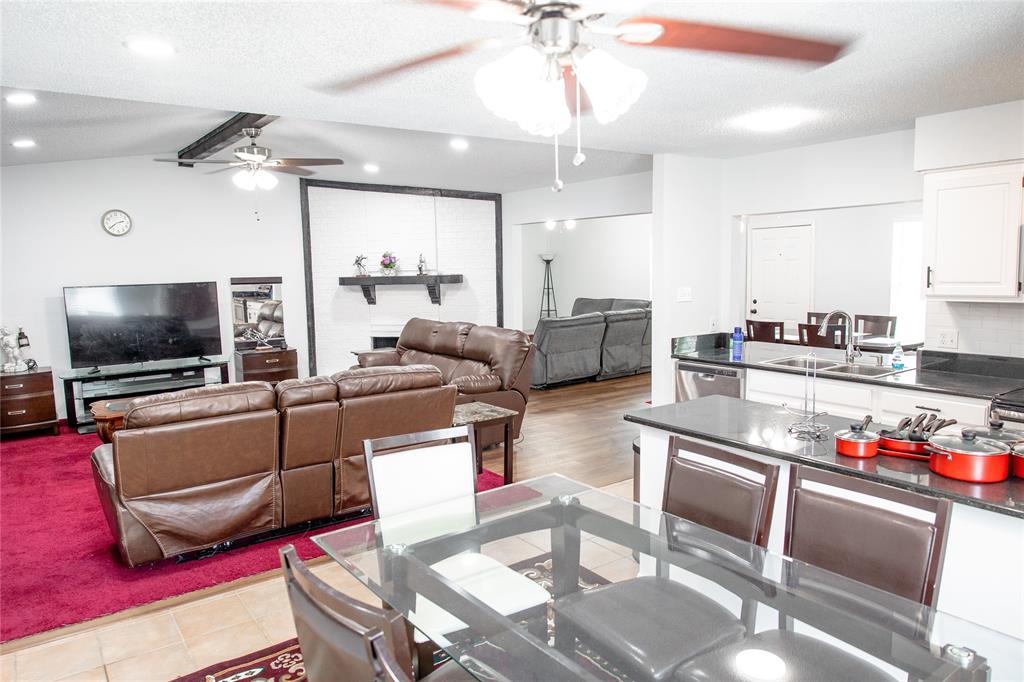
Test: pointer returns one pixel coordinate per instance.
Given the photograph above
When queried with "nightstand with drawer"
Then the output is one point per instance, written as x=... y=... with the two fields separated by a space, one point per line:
x=26 y=402
x=266 y=365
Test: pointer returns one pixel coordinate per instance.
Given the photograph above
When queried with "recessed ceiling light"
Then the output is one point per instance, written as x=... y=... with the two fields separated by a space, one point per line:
x=150 y=47
x=371 y=168
x=569 y=224
x=550 y=224
x=775 y=119
x=23 y=144
x=20 y=98
x=459 y=144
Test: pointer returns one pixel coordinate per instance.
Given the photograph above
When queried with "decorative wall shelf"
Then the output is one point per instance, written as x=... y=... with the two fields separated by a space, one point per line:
x=369 y=284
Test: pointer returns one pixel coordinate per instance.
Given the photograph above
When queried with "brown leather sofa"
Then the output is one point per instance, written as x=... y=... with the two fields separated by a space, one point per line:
x=487 y=364
x=195 y=468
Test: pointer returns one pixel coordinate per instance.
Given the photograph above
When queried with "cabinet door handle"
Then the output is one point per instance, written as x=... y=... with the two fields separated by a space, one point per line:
x=10 y=386
x=274 y=360
x=928 y=409
x=928 y=278
x=14 y=412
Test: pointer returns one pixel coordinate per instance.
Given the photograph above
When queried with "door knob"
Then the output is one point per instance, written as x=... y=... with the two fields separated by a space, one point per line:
x=753 y=311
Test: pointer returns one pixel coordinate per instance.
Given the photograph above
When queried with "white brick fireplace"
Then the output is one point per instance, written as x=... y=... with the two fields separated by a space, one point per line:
x=455 y=235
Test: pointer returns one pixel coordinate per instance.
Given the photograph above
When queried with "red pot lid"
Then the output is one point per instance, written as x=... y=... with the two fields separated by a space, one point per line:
x=968 y=443
x=857 y=434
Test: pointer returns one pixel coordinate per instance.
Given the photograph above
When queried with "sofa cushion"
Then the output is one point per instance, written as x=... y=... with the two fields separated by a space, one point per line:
x=295 y=392
x=581 y=306
x=479 y=383
x=199 y=403
x=629 y=303
x=430 y=336
x=364 y=381
x=503 y=351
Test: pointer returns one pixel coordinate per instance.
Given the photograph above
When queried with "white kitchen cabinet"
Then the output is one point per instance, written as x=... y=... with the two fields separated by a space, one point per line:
x=972 y=227
x=893 y=404
x=854 y=400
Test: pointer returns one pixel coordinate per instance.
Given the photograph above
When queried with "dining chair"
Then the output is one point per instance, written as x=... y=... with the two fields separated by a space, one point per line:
x=342 y=638
x=422 y=485
x=897 y=547
x=769 y=332
x=816 y=318
x=716 y=489
x=875 y=325
x=834 y=337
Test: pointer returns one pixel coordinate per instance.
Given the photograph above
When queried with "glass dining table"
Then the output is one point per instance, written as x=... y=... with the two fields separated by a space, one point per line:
x=577 y=541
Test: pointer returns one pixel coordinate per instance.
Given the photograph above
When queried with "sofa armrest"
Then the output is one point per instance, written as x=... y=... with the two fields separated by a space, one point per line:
x=477 y=383
x=379 y=358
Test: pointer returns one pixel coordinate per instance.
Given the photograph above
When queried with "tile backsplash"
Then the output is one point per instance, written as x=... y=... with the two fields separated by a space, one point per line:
x=989 y=328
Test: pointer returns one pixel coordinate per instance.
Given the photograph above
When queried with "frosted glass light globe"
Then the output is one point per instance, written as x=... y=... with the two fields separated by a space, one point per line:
x=526 y=88
x=265 y=179
x=611 y=86
x=244 y=179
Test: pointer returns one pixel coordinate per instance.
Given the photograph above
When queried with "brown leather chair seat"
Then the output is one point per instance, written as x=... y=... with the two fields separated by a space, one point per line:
x=686 y=623
x=805 y=659
x=487 y=364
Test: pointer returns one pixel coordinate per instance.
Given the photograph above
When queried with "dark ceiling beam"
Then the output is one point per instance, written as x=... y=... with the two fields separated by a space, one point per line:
x=227 y=133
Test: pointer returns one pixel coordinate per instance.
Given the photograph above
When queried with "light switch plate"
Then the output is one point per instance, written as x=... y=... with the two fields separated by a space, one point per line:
x=949 y=338
x=684 y=294
x=714 y=324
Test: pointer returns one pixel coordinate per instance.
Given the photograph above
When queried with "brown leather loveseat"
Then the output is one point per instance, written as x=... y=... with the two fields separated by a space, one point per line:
x=196 y=468
x=487 y=364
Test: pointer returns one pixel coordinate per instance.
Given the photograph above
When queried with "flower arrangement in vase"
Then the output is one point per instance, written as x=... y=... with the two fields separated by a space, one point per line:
x=388 y=263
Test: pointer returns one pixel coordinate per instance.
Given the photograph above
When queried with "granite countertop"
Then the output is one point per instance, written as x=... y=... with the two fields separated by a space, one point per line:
x=761 y=428
x=927 y=371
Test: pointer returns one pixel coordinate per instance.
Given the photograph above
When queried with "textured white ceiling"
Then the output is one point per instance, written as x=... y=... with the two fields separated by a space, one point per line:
x=71 y=127
x=909 y=59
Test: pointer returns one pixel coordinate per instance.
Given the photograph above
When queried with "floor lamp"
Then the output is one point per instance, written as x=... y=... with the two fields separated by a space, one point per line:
x=548 y=305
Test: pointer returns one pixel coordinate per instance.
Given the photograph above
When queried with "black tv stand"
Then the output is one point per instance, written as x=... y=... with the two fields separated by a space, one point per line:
x=203 y=358
x=82 y=387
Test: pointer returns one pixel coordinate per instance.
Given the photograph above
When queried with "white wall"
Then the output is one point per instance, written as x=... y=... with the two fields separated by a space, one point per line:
x=985 y=328
x=612 y=196
x=187 y=227
x=455 y=236
x=971 y=136
x=599 y=258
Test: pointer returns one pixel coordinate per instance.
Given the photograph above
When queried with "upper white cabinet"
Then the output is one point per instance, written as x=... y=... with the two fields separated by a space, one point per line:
x=972 y=220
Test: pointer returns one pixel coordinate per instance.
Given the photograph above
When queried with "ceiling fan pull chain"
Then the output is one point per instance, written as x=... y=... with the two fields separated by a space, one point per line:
x=557 y=187
x=580 y=156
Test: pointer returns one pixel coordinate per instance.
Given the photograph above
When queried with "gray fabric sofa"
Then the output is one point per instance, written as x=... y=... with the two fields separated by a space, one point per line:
x=604 y=338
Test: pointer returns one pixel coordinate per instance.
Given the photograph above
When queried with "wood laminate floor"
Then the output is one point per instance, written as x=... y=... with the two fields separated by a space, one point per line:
x=578 y=431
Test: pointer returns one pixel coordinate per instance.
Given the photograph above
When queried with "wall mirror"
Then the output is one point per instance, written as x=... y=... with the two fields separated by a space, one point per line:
x=257 y=312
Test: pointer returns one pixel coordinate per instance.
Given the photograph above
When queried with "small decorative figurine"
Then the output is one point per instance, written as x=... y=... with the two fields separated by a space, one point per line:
x=421 y=267
x=388 y=263
x=12 y=359
x=360 y=264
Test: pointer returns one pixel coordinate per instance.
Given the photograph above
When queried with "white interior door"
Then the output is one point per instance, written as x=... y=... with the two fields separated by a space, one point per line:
x=781 y=267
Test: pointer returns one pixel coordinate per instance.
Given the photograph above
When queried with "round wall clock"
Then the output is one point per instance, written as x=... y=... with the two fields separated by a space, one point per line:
x=116 y=222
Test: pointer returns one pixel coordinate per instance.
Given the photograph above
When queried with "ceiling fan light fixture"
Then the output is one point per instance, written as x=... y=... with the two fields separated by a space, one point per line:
x=244 y=179
x=525 y=87
x=611 y=86
x=264 y=179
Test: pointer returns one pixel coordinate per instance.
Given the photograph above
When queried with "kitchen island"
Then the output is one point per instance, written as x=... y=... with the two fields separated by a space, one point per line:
x=986 y=532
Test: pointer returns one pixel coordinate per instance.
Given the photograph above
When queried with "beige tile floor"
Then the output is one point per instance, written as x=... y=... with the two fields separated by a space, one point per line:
x=189 y=636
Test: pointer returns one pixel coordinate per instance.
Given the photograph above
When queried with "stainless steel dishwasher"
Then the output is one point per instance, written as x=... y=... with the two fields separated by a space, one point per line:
x=696 y=380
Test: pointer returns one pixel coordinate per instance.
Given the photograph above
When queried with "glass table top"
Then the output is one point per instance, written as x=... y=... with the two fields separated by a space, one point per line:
x=588 y=547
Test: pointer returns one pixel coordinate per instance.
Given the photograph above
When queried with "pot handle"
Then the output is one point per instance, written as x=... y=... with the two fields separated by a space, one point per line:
x=940 y=453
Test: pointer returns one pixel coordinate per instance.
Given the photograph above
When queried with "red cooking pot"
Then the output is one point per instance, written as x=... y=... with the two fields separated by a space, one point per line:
x=1017 y=460
x=856 y=442
x=895 y=446
x=969 y=458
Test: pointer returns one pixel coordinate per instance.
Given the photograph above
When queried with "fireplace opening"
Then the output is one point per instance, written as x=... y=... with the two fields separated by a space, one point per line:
x=377 y=342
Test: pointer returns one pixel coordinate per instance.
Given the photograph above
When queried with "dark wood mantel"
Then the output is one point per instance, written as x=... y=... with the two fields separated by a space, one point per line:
x=369 y=284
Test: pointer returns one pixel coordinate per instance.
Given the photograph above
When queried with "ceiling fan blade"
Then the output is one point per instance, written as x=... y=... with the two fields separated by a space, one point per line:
x=304 y=162
x=193 y=161
x=690 y=35
x=488 y=10
x=221 y=170
x=290 y=170
x=347 y=84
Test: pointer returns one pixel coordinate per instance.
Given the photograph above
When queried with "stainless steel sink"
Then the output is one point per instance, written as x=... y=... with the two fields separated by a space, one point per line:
x=801 y=362
x=861 y=370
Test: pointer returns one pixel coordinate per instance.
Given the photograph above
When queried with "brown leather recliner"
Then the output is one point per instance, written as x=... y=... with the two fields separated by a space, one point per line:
x=190 y=470
x=487 y=364
x=377 y=402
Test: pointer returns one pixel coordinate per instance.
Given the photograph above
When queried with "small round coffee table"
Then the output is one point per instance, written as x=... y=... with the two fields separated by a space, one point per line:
x=109 y=416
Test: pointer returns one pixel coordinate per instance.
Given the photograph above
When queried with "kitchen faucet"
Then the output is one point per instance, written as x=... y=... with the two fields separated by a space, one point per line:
x=851 y=353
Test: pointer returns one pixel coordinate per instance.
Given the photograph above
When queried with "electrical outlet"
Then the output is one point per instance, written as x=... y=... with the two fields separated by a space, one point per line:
x=714 y=324
x=949 y=338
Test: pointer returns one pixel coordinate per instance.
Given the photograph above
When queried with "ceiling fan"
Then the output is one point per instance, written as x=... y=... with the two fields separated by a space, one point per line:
x=552 y=67
x=254 y=161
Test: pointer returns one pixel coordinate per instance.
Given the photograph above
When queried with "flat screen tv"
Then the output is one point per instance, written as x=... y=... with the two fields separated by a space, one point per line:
x=123 y=324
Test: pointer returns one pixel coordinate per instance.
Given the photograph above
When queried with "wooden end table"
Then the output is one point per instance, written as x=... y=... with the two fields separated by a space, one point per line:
x=481 y=415
x=109 y=416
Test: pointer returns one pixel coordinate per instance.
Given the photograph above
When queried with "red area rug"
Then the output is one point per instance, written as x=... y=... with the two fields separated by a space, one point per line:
x=58 y=564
